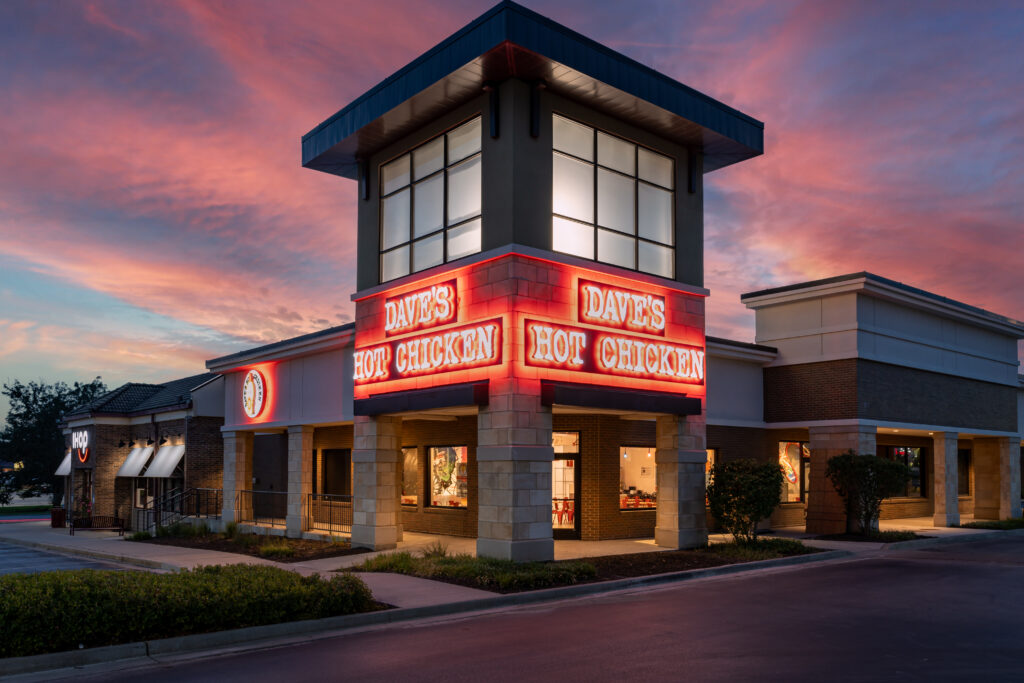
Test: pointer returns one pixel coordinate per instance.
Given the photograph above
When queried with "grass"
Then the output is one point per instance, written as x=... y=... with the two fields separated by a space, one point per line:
x=505 y=576
x=67 y=610
x=276 y=549
x=997 y=525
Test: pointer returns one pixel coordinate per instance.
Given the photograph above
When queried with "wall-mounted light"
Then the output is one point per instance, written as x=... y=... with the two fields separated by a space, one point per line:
x=648 y=452
x=149 y=442
x=132 y=443
x=120 y=444
x=163 y=440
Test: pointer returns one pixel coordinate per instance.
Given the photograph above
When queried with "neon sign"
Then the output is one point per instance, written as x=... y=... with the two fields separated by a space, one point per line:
x=427 y=307
x=573 y=348
x=620 y=308
x=254 y=393
x=80 y=444
x=460 y=348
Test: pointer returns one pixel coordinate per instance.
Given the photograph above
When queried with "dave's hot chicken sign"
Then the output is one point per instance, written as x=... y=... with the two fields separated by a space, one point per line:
x=558 y=319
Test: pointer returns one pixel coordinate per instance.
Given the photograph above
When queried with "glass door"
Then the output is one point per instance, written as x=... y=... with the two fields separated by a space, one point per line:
x=565 y=518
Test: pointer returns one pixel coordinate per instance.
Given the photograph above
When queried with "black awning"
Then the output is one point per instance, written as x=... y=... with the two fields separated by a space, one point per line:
x=456 y=395
x=614 y=398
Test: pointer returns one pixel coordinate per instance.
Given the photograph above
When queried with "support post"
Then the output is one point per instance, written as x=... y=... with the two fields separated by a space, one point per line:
x=514 y=455
x=681 y=458
x=376 y=515
x=996 y=479
x=300 y=478
x=944 y=479
x=237 y=472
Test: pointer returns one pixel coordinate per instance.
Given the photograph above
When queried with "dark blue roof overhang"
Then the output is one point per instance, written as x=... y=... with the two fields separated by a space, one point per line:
x=510 y=41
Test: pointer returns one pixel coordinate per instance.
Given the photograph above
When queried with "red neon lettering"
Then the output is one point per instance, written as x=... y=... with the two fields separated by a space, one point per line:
x=656 y=360
x=458 y=349
x=555 y=345
x=429 y=307
x=621 y=308
x=371 y=364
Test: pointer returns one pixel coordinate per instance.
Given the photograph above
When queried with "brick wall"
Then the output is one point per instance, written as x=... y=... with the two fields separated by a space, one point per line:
x=811 y=391
x=204 y=453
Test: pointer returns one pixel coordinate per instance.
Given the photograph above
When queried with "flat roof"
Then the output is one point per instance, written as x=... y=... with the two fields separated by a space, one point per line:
x=510 y=41
x=878 y=279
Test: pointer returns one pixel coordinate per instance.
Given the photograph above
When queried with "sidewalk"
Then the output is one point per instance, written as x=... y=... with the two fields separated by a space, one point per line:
x=394 y=589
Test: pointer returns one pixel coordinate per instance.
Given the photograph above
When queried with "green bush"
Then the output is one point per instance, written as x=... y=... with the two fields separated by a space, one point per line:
x=998 y=525
x=742 y=493
x=140 y=536
x=864 y=481
x=482 y=572
x=435 y=549
x=761 y=549
x=65 y=610
x=273 y=549
x=230 y=529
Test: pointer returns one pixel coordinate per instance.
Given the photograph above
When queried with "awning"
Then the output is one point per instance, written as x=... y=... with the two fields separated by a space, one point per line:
x=166 y=460
x=65 y=466
x=135 y=461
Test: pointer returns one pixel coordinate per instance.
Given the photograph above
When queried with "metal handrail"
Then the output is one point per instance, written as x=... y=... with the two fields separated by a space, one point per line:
x=193 y=502
x=329 y=512
x=261 y=508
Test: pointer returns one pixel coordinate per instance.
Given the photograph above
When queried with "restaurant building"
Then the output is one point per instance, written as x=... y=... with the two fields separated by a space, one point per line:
x=146 y=448
x=528 y=359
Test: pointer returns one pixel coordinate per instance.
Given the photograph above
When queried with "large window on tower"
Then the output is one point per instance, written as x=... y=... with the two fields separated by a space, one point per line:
x=612 y=200
x=430 y=203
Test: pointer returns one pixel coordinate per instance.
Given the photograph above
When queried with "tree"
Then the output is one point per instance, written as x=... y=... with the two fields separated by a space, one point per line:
x=742 y=493
x=32 y=437
x=864 y=481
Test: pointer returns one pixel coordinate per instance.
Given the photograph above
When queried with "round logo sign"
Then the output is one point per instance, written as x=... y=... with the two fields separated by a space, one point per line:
x=254 y=393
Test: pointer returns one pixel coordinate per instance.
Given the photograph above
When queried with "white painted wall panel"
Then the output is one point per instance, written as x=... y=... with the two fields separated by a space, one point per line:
x=734 y=390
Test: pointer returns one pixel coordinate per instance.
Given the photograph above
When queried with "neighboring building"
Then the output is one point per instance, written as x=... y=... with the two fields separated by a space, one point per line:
x=528 y=359
x=143 y=447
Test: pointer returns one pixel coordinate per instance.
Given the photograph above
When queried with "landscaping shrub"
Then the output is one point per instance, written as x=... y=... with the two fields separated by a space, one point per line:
x=435 y=549
x=64 y=610
x=140 y=536
x=864 y=481
x=742 y=493
x=997 y=525
x=230 y=529
x=482 y=572
x=761 y=549
x=182 y=530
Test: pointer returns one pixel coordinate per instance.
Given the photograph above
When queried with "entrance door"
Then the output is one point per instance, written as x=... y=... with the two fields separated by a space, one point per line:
x=565 y=514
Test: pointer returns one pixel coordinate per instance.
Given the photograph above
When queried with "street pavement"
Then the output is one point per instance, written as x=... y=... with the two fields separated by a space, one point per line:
x=944 y=613
x=16 y=558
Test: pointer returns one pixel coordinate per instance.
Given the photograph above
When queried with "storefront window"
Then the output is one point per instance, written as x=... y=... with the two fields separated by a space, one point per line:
x=963 y=472
x=794 y=459
x=563 y=479
x=914 y=459
x=708 y=466
x=449 y=476
x=410 y=475
x=430 y=203
x=611 y=200
x=638 y=481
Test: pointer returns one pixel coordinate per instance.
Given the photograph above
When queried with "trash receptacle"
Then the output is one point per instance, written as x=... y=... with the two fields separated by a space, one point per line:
x=57 y=518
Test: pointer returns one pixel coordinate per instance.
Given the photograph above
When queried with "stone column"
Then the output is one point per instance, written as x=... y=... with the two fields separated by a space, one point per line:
x=376 y=515
x=996 y=479
x=237 y=472
x=300 y=478
x=826 y=512
x=681 y=458
x=514 y=455
x=945 y=479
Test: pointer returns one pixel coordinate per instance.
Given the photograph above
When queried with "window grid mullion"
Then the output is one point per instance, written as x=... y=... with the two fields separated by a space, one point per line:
x=444 y=202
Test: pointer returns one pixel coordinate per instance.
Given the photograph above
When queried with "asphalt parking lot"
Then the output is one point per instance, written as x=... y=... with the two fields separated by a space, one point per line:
x=16 y=558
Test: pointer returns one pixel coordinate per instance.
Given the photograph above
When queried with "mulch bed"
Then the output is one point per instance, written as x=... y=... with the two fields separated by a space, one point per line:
x=304 y=549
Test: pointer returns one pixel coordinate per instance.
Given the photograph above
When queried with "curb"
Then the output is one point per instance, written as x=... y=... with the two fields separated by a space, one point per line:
x=257 y=636
x=984 y=535
x=93 y=554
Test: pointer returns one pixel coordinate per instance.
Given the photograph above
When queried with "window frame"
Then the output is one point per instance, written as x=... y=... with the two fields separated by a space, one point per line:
x=596 y=166
x=443 y=171
x=428 y=478
x=417 y=488
x=654 y=461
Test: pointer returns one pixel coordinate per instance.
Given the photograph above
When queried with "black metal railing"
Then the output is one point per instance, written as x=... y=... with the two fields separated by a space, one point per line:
x=177 y=505
x=329 y=512
x=262 y=508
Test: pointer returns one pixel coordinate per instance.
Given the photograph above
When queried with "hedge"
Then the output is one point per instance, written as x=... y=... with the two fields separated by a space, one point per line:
x=65 y=610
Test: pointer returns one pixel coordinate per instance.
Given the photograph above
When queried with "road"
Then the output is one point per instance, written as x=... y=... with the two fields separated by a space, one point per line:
x=948 y=613
x=19 y=559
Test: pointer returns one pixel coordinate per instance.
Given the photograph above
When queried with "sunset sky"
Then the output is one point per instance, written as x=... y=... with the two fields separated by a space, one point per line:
x=154 y=213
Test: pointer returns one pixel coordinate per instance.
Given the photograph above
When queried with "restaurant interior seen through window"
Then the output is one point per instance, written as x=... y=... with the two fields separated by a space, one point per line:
x=410 y=475
x=638 y=481
x=563 y=479
x=449 y=476
x=914 y=458
x=963 y=472
x=795 y=461
x=612 y=200
x=430 y=203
